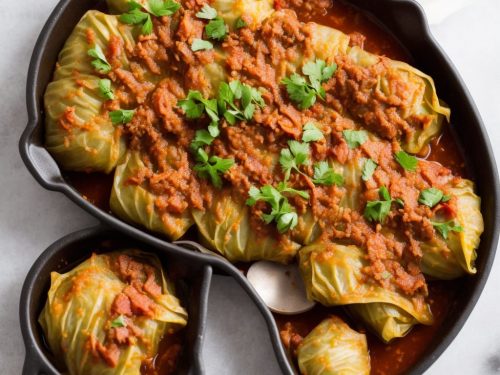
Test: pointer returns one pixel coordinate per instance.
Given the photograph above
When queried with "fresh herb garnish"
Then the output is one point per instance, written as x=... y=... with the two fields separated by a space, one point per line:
x=105 y=89
x=119 y=322
x=216 y=29
x=200 y=44
x=368 y=169
x=249 y=97
x=311 y=133
x=211 y=167
x=407 y=161
x=239 y=24
x=121 y=116
x=304 y=93
x=291 y=158
x=136 y=16
x=445 y=228
x=100 y=63
x=430 y=197
x=281 y=211
x=325 y=175
x=355 y=138
x=201 y=138
x=445 y=198
x=161 y=8
x=378 y=210
x=207 y=12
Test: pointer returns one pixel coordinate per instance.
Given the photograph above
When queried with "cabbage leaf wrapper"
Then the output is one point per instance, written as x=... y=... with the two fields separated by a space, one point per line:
x=333 y=348
x=79 y=134
x=332 y=274
x=134 y=203
x=454 y=257
x=226 y=228
x=78 y=315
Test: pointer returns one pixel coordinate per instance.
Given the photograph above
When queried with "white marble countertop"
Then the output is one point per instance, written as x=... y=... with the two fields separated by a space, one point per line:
x=31 y=218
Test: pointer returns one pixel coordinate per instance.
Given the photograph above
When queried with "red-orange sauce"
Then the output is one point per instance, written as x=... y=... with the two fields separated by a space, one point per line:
x=400 y=355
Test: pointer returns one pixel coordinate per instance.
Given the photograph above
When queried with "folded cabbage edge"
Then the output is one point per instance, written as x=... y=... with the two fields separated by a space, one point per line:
x=333 y=348
x=133 y=203
x=78 y=306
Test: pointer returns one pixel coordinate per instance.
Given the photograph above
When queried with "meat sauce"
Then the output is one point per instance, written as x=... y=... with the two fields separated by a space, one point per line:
x=400 y=355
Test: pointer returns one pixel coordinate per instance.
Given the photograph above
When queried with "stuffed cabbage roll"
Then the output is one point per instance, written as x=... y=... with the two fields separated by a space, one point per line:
x=77 y=134
x=226 y=228
x=254 y=11
x=332 y=274
x=135 y=203
x=332 y=348
x=453 y=256
x=94 y=31
x=108 y=314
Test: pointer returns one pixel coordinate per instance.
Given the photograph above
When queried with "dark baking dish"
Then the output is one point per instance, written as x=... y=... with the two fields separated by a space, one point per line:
x=406 y=20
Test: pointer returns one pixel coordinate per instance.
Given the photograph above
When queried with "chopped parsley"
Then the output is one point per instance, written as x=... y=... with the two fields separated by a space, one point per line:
x=249 y=97
x=202 y=138
x=139 y=15
x=207 y=12
x=100 y=63
x=430 y=197
x=355 y=138
x=311 y=133
x=325 y=175
x=240 y=23
x=161 y=8
x=368 y=169
x=304 y=93
x=445 y=228
x=216 y=29
x=121 y=116
x=212 y=167
x=200 y=45
x=119 y=322
x=378 y=210
x=407 y=161
x=291 y=158
x=105 y=89
x=281 y=211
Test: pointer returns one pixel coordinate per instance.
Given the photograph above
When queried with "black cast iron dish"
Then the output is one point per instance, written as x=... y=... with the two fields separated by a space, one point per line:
x=406 y=20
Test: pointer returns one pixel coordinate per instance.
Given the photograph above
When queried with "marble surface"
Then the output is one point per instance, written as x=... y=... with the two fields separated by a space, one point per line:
x=236 y=339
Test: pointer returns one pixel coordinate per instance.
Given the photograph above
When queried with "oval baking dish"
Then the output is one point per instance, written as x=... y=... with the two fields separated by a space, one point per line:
x=405 y=19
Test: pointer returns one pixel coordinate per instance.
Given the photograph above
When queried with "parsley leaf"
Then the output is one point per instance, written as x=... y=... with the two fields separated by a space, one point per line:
x=446 y=198
x=294 y=156
x=105 y=89
x=136 y=16
x=193 y=105
x=407 y=161
x=210 y=167
x=100 y=63
x=319 y=72
x=445 y=228
x=311 y=133
x=207 y=12
x=368 y=169
x=119 y=322
x=430 y=197
x=324 y=175
x=200 y=44
x=355 y=138
x=121 y=116
x=201 y=138
x=248 y=96
x=281 y=211
x=298 y=90
x=378 y=210
x=216 y=29
x=239 y=24
x=161 y=8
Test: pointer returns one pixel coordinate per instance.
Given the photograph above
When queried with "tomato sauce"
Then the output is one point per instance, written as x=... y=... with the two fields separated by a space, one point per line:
x=400 y=355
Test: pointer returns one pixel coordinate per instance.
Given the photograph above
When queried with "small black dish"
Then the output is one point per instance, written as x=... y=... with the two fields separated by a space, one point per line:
x=405 y=19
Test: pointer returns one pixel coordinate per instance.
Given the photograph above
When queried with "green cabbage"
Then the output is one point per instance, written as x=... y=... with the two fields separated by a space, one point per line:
x=385 y=320
x=332 y=348
x=226 y=228
x=332 y=274
x=422 y=98
x=92 y=142
x=74 y=55
x=455 y=256
x=134 y=203
x=79 y=306
x=255 y=11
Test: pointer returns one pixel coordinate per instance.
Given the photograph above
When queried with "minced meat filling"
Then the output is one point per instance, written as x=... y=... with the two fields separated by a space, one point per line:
x=164 y=68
